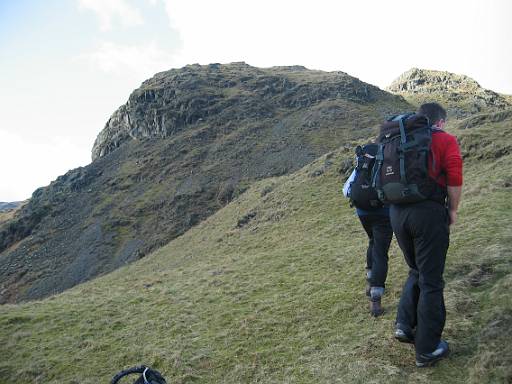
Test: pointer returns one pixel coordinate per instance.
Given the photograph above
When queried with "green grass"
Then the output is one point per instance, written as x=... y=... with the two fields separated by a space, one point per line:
x=281 y=298
x=6 y=215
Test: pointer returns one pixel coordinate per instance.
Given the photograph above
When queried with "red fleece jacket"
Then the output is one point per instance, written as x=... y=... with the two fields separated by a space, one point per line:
x=445 y=161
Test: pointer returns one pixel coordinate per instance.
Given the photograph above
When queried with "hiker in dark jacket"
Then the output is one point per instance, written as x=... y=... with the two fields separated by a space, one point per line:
x=422 y=231
x=378 y=228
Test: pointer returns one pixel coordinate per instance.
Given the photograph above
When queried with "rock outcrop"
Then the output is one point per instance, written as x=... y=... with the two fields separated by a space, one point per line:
x=171 y=101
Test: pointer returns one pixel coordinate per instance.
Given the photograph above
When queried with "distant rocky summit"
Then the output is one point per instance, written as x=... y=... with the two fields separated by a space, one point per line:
x=461 y=94
x=9 y=206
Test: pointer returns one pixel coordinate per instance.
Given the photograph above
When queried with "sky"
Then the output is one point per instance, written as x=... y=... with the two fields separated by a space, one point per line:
x=67 y=65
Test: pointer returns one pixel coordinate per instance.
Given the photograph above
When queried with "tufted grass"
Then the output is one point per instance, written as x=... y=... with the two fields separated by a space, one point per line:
x=270 y=289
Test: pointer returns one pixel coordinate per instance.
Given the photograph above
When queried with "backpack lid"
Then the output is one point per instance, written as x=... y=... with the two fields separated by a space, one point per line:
x=400 y=117
x=391 y=128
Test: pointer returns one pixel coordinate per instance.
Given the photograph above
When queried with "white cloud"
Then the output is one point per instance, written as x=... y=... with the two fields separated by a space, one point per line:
x=110 y=10
x=29 y=162
x=373 y=40
x=323 y=34
x=139 y=61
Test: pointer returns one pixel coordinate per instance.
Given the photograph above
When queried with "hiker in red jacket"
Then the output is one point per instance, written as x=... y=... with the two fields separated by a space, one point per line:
x=422 y=231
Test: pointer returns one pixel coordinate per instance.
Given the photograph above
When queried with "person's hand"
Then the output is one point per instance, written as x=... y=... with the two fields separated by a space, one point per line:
x=453 y=216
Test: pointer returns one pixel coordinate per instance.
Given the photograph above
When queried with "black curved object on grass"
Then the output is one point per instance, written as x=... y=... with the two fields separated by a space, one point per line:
x=147 y=375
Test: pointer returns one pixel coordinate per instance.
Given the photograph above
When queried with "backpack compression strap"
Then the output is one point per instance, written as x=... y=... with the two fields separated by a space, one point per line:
x=379 y=159
x=403 y=141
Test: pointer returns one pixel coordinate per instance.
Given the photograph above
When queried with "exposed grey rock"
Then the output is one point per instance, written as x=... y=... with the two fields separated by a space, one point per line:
x=178 y=99
x=461 y=95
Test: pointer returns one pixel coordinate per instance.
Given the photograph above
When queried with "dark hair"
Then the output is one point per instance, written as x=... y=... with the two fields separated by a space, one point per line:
x=433 y=111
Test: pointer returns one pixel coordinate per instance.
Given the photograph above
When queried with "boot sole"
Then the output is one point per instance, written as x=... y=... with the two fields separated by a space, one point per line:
x=431 y=363
x=377 y=314
x=404 y=339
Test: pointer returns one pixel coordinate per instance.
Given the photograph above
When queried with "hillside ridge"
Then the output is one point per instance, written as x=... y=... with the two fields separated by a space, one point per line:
x=187 y=142
x=5 y=206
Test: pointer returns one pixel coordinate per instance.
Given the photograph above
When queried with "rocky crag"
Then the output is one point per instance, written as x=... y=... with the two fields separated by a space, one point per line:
x=461 y=95
x=185 y=144
x=216 y=95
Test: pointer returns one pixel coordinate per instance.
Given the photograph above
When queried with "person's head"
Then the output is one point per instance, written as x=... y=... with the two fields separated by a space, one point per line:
x=435 y=113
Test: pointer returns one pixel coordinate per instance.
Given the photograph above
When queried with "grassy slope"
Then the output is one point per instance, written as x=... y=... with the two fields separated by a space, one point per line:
x=6 y=215
x=281 y=298
x=9 y=214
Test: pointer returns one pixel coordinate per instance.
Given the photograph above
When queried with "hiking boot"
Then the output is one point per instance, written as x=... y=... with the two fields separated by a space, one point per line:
x=375 y=297
x=375 y=307
x=429 y=359
x=403 y=335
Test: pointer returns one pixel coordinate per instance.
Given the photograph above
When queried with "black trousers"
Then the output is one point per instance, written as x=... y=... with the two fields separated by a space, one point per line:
x=378 y=229
x=422 y=232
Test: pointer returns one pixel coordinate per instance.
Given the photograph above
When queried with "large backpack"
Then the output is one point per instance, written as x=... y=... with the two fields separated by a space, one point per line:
x=401 y=169
x=362 y=194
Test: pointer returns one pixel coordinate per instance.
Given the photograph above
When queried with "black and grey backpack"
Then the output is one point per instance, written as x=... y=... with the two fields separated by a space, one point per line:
x=401 y=169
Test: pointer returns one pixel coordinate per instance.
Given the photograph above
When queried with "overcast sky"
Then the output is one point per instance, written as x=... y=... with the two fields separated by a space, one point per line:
x=67 y=65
